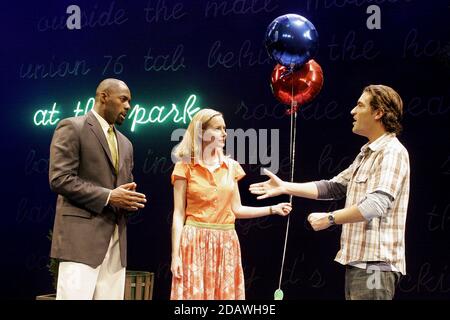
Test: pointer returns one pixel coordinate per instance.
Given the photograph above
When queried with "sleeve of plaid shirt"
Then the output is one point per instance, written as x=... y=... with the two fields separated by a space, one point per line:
x=389 y=172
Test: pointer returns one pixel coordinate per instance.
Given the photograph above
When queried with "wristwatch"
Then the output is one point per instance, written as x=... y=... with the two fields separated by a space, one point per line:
x=331 y=219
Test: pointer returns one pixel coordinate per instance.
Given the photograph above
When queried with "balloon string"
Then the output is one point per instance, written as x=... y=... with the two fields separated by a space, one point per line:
x=293 y=131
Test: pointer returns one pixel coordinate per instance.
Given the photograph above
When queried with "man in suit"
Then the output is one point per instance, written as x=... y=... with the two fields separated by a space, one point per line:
x=91 y=166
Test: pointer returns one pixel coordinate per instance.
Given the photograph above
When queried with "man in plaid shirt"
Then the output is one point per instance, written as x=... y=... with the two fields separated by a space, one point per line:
x=376 y=187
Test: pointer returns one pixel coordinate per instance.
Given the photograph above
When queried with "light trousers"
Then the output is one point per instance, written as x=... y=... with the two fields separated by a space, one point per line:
x=78 y=281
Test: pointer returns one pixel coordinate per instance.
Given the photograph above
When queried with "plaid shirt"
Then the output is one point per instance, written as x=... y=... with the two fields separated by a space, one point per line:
x=382 y=165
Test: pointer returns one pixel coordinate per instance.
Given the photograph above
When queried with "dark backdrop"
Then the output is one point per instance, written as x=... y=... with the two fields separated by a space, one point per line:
x=167 y=50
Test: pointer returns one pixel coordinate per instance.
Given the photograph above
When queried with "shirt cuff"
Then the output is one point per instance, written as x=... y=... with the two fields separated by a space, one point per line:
x=107 y=200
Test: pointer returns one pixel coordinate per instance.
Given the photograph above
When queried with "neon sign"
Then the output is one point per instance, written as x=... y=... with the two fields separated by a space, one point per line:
x=40 y=117
x=156 y=114
x=139 y=115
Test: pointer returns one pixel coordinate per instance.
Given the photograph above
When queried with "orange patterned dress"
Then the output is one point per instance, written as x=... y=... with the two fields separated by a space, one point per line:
x=210 y=249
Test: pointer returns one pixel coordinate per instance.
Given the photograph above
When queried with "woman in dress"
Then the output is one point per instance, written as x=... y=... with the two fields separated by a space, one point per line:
x=206 y=255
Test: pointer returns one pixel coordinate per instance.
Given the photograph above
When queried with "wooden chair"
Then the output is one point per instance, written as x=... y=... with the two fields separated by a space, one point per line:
x=139 y=285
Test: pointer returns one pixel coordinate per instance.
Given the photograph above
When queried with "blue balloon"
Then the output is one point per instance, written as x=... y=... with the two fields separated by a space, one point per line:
x=292 y=40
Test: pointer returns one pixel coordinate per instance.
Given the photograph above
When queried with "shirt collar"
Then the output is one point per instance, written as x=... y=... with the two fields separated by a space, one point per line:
x=379 y=143
x=223 y=162
x=103 y=123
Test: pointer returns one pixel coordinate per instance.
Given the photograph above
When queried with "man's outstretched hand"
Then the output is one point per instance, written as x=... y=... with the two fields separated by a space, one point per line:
x=270 y=188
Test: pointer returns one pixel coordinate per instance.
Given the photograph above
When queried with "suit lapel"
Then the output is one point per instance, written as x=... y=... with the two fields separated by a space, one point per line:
x=97 y=129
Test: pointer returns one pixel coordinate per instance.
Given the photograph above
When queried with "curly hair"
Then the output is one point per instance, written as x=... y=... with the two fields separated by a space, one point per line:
x=387 y=100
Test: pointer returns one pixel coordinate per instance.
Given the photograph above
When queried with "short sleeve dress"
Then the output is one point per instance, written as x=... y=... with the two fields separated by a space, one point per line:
x=209 y=249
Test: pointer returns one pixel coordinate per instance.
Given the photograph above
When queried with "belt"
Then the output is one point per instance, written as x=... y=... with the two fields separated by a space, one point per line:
x=206 y=225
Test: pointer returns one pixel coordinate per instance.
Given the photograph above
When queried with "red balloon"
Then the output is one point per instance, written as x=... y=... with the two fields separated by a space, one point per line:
x=305 y=83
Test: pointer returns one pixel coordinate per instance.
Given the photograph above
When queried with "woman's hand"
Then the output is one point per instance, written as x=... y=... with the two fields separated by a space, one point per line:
x=282 y=209
x=176 y=267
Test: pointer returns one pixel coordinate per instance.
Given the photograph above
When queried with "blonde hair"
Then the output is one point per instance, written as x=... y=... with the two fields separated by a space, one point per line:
x=189 y=150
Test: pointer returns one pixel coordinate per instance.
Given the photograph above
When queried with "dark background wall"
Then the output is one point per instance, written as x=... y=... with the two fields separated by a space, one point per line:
x=165 y=51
